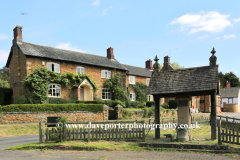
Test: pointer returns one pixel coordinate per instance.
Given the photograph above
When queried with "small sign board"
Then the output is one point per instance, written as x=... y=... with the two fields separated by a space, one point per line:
x=201 y=101
x=182 y=103
x=52 y=120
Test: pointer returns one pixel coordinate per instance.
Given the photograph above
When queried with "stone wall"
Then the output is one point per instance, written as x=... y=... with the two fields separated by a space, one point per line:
x=230 y=107
x=34 y=117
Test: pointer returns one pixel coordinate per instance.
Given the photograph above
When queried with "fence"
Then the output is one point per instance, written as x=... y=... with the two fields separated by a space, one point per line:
x=229 y=119
x=87 y=133
x=229 y=133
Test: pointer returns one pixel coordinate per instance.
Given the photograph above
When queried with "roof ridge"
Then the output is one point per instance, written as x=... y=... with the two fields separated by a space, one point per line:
x=134 y=66
x=65 y=50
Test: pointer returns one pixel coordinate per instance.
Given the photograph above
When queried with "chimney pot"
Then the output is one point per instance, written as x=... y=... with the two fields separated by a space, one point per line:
x=149 y=64
x=110 y=53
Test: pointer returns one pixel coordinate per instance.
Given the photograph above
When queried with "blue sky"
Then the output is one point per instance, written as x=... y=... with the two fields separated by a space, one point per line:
x=185 y=30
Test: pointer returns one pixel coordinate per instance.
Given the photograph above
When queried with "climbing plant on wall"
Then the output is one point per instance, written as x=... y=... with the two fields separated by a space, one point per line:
x=117 y=88
x=36 y=84
x=140 y=90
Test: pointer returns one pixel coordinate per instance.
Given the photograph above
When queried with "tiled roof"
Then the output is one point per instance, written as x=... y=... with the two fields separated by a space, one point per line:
x=66 y=55
x=229 y=92
x=184 y=80
x=137 y=71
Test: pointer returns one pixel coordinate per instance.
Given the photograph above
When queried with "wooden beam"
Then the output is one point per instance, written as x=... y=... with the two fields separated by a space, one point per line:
x=157 y=116
x=213 y=116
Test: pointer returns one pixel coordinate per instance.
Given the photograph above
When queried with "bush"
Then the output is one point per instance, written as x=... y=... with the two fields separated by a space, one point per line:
x=149 y=112
x=52 y=107
x=5 y=96
x=165 y=106
x=150 y=103
x=110 y=103
x=60 y=101
x=134 y=104
x=142 y=105
x=172 y=104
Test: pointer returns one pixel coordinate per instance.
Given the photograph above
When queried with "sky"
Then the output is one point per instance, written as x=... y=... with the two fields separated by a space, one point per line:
x=185 y=30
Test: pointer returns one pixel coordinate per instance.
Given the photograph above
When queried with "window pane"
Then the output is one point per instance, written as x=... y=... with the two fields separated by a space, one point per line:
x=53 y=67
x=53 y=86
x=109 y=96
x=57 y=68
x=105 y=74
x=57 y=86
x=102 y=74
x=83 y=70
x=109 y=74
x=50 y=86
x=49 y=66
x=54 y=92
x=133 y=96
x=78 y=70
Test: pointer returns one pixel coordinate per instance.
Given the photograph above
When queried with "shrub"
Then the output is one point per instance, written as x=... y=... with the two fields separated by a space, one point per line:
x=52 y=107
x=62 y=119
x=148 y=111
x=134 y=104
x=142 y=105
x=165 y=106
x=60 y=101
x=22 y=100
x=110 y=103
x=150 y=103
x=172 y=104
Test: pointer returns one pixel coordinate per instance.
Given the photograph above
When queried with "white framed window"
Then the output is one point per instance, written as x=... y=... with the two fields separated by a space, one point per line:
x=230 y=100
x=148 y=80
x=81 y=70
x=132 y=96
x=53 y=67
x=106 y=94
x=54 y=90
x=131 y=79
x=106 y=74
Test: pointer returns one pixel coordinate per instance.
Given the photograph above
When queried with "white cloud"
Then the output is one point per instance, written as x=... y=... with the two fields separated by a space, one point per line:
x=236 y=20
x=203 y=37
x=105 y=10
x=211 y=21
x=96 y=3
x=69 y=46
x=229 y=36
x=217 y=38
x=3 y=56
x=2 y=36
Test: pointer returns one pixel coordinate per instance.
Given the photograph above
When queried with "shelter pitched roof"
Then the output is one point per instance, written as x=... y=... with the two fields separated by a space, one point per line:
x=184 y=80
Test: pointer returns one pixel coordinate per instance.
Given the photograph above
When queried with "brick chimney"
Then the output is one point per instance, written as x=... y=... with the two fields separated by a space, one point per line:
x=166 y=64
x=110 y=53
x=17 y=35
x=228 y=84
x=149 y=64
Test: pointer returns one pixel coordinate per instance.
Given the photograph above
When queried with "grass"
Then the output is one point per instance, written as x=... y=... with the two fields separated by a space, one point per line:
x=81 y=145
x=11 y=130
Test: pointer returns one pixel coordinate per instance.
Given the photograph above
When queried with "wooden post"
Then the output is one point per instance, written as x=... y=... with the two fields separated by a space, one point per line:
x=57 y=138
x=233 y=135
x=213 y=116
x=219 y=132
x=53 y=134
x=143 y=132
x=80 y=133
x=237 y=137
x=47 y=135
x=230 y=137
x=40 y=132
x=64 y=132
x=157 y=118
x=226 y=118
x=226 y=134
x=89 y=125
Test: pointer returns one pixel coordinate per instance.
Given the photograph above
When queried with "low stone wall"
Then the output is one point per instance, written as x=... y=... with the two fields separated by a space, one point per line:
x=32 y=117
x=230 y=107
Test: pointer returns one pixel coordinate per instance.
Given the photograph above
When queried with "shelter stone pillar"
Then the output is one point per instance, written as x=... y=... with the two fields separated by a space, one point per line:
x=78 y=93
x=184 y=119
x=92 y=94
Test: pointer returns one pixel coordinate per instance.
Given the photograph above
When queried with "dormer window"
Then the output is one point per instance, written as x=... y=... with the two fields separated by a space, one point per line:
x=80 y=70
x=53 y=67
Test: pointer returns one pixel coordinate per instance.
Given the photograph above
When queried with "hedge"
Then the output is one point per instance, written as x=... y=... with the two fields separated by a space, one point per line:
x=110 y=103
x=150 y=103
x=5 y=95
x=172 y=104
x=52 y=107
x=59 y=101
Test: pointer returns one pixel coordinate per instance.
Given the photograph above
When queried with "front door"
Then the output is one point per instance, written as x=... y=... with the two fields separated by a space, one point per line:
x=81 y=93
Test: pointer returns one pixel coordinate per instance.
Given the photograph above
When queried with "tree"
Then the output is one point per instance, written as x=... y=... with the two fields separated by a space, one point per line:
x=230 y=77
x=4 y=78
x=174 y=64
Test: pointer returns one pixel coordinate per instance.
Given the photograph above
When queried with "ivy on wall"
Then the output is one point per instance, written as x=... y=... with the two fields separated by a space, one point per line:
x=117 y=88
x=36 y=84
x=140 y=90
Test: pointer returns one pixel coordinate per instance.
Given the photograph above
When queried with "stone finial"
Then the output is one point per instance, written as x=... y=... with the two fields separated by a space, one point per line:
x=213 y=58
x=156 y=66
